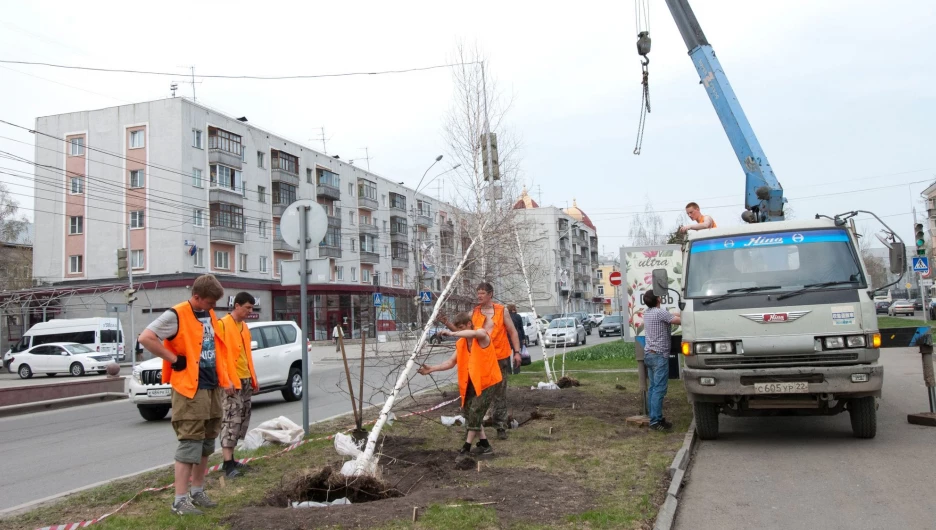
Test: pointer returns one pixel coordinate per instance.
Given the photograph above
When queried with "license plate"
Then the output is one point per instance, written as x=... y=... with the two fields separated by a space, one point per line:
x=781 y=388
x=162 y=392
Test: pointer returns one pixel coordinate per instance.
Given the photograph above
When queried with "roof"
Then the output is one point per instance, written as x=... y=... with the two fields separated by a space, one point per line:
x=575 y=212
x=525 y=201
x=778 y=226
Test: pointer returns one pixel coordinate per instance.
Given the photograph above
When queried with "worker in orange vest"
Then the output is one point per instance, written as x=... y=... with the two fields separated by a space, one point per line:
x=701 y=221
x=185 y=338
x=478 y=375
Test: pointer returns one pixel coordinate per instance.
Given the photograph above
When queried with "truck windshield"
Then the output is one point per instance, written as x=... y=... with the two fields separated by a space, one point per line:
x=782 y=261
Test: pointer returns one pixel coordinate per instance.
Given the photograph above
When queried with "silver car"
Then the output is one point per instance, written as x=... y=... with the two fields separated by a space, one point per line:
x=564 y=331
x=901 y=307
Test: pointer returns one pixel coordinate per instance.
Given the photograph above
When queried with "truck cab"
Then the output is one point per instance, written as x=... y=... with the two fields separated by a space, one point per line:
x=779 y=320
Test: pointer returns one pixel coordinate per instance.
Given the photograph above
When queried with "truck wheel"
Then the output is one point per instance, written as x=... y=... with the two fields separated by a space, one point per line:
x=863 y=417
x=706 y=420
x=293 y=390
x=153 y=413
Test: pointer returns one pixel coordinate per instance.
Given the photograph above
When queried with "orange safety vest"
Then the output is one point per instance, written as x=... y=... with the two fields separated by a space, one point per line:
x=499 y=339
x=230 y=337
x=704 y=217
x=188 y=342
x=478 y=366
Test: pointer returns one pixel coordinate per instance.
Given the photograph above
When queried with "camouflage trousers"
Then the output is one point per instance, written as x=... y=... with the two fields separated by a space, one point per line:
x=235 y=420
x=499 y=414
x=476 y=407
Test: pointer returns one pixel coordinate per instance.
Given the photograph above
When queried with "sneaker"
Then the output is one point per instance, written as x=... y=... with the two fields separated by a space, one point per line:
x=202 y=500
x=501 y=434
x=185 y=507
x=243 y=468
x=666 y=424
x=659 y=427
x=481 y=450
x=464 y=452
x=232 y=473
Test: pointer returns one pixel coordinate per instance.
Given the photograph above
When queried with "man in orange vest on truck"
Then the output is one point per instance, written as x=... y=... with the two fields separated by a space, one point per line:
x=478 y=376
x=701 y=221
x=235 y=344
x=185 y=338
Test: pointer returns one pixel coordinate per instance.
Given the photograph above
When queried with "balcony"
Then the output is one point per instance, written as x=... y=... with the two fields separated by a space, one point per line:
x=580 y=241
x=327 y=191
x=281 y=175
x=366 y=203
x=279 y=208
x=398 y=237
x=368 y=229
x=280 y=245
x=329 y=252
x=423 y=220
x=370 y=257
x=224 y=148
x=223 y=234
x=447 y=227
x=225 y=195
x=334 y=221
x=564 y=253
x=399 y=262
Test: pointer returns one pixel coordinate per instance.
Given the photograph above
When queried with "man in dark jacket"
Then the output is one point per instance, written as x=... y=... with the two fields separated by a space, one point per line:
x=518 y=325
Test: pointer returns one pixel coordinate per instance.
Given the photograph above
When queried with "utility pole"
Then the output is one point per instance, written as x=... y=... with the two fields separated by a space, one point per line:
x=418 y=265
x=130 y=299
x=304 y=310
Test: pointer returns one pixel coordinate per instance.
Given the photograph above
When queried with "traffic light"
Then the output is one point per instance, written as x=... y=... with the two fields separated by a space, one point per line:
x=920 y=239
x=121 y=263
x=129 y=295
x=492 y=156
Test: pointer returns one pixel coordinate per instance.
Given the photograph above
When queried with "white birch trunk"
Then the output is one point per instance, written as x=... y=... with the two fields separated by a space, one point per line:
x=365 y=462
x=526 y=279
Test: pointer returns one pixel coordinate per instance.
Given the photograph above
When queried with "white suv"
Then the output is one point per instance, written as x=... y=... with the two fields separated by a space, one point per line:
x=277 y=356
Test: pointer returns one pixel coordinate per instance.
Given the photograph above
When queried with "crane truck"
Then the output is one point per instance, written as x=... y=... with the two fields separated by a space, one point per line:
x=778 y=316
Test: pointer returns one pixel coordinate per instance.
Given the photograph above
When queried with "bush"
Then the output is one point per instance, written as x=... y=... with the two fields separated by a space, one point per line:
x=603 y=352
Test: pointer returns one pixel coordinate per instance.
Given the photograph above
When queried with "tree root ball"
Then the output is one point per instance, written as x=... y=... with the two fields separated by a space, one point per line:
x=566 y=382
x=328 y=484
x=465 y=462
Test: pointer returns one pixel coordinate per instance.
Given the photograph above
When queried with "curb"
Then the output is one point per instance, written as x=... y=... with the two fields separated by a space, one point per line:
x=666 y=517
x=53 y=404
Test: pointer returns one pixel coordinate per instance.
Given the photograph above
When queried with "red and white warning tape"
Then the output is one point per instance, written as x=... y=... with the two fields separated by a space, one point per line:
x=83 y=524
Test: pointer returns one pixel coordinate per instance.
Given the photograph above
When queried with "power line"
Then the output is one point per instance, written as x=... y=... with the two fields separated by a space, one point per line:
x=220 y=76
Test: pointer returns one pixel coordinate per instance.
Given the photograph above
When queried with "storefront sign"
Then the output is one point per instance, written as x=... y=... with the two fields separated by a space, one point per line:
x=638 y=264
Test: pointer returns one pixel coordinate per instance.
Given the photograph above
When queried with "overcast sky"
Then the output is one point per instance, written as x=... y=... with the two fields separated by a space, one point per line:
x=840 y=93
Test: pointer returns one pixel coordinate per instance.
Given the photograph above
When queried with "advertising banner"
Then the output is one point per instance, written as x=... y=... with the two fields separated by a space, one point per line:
x=638 y=265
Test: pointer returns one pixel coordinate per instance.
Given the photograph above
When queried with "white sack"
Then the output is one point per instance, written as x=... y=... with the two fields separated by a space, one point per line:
x=279 y=430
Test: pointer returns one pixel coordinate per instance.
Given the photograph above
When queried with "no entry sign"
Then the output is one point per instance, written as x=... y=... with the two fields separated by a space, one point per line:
x=615 y=278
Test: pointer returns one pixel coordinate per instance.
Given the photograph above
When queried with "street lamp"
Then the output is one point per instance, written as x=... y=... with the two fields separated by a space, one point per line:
x=453 y=168
x=416 y=256
x=427 y=171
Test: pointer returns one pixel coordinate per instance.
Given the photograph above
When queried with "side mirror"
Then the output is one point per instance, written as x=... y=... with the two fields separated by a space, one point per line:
x=64 y=353
x=253 y=345
x=898 y=257
x=660 y=282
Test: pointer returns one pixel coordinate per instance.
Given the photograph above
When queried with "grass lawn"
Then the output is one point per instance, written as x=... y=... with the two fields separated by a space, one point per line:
x=900 y=322
x=572 y=463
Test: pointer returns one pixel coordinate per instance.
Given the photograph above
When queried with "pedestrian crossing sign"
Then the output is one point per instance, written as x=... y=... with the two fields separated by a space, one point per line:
x=425 y=296
x=378 y=300
x=921 y=265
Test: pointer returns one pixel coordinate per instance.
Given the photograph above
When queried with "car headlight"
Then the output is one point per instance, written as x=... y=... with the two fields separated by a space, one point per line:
x=856 y=341
x=136 y=375
x=703 y=347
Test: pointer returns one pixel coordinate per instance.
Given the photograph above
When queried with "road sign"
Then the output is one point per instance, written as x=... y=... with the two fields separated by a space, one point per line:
x=317 y=224
x=378 y=300
x=116 y=308
x=926 y=283
x=425 y=296
x=921 y=264
x=908 y=285
x=615 y=278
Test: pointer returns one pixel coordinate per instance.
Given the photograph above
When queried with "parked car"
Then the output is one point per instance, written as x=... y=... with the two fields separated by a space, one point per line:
x=529 y=329
x=566 y=330
x=59 y=358
x=101 y=335
x=277 y=356
x=543 y=324
x=436 y=338
x=597 y=318
x=551 y=316
x=901 y=307
x=584 y=318
x=917 y=304
x=611 y=325
x=881 y=307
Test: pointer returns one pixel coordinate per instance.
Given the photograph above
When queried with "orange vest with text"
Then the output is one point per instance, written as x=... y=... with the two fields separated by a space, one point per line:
x=188 y=342
x=478 y=366
x=231 y=339
x=499 y=339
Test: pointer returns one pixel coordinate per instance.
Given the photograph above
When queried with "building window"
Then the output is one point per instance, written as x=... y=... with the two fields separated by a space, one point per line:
x=225 y=141
x=77 y=146
x=263 y=264
x=385 y=277
x=386 y=251
x=398 y=225
x=367 y=189
x=198 y=217
x=136 y=219
x=136 y=259
x=351 y=218
x=398 y=201
x=339 y=272
x=77 y=185
x=365 y=276
x=600 y=274
x=264 y=233
x=383 y=199
x=197 y=178
x=261 y=194
x=352 y=244
x=75 y=264
x=365 y=220
x=260 y=155
x=199 y=257
x=397 y=279
x=227 y=216
x=137 y=179
x=332 y=237
x=385 y=227
x=353 y=274
x=285 y=162
x=221 y=260
x=244 y=154
x=278 y=232
x=309 y=178
x=423 y=208
x=75 y=225
x=136 y=139
x=197 y=139
x=399 y=250
x=284 y=193
x=225 y=177
x=601 y=290
x=351 y=189
x=279 y=268
x=243 y=262
x=368 y=243
x=327 y=178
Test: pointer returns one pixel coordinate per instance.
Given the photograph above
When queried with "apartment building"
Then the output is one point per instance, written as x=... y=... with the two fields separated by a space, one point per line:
x=191 y=190
x=611 y=301
x=561 y=250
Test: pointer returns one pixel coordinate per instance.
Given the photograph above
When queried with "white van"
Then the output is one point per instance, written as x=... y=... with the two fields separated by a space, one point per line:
x=529 y=328
x=104 y=335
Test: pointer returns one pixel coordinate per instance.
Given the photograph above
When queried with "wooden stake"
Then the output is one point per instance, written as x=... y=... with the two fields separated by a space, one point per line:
x=550 y=431
x=361 y=393
x=357 y=419
x=414 y=513
x=479 y=466
x=221 y=480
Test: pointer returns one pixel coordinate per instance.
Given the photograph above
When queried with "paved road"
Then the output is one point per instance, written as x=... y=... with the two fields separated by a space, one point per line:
x=48 y=453
x=794 y=473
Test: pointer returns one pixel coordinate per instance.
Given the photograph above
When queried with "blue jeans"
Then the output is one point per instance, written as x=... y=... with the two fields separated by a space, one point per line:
x=657 y=381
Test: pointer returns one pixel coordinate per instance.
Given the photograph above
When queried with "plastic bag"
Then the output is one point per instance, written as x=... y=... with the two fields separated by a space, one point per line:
x=545 y=386
x=279 y=430
x=524 y=356
x=346 y=446
x=448 y=421
x=313 y=504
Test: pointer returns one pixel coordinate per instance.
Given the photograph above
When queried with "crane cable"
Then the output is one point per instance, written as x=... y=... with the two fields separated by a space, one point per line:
x=642 y=23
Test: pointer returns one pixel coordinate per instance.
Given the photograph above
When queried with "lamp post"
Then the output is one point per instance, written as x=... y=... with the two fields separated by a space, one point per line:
x=453 y=168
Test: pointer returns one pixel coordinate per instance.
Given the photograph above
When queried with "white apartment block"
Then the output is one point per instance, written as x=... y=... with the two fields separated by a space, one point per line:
x=203 y=192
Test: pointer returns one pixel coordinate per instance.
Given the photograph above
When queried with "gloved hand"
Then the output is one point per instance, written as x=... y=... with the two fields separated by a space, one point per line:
x=180 y=364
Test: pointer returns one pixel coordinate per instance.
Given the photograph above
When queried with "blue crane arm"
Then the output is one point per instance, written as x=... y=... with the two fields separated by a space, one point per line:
x=763 y=194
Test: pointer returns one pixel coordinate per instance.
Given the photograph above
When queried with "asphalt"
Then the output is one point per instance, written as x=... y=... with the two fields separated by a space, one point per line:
x=48 y=453
x=794 y=473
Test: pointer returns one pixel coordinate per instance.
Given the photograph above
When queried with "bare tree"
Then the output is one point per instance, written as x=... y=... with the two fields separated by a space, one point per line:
x=646 y=228
x=15 y=253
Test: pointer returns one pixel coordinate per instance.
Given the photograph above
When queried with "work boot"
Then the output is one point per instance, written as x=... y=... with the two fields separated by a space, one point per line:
x=666 y=424
x=483 y=450
x=501 y=434
x=660 y=427
x=185 y=507
x=201 y=500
